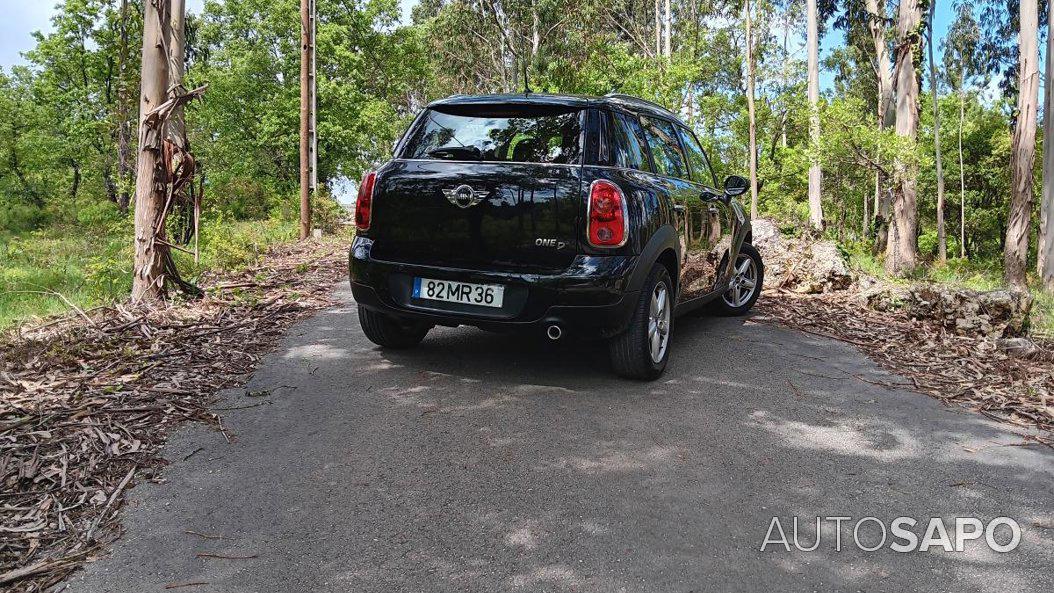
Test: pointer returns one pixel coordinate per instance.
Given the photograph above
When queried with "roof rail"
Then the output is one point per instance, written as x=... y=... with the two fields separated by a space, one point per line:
x=638 y=101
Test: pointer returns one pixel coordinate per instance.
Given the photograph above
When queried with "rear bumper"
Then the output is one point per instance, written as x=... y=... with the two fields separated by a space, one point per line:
x=592 y=298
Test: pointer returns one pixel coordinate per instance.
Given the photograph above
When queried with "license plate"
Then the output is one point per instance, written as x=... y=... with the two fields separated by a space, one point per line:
x=483 y=295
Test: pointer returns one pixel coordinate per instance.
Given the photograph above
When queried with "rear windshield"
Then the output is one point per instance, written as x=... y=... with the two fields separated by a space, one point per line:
x=522 y=134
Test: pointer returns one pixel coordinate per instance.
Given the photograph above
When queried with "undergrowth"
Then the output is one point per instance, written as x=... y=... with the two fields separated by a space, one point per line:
x=89 y=263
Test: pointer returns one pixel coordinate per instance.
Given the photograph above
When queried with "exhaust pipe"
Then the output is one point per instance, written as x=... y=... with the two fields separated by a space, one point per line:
x=554 y=332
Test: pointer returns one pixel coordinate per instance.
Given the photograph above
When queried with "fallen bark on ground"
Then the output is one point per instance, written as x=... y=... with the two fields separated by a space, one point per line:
x=86 y=402
x=972 y=371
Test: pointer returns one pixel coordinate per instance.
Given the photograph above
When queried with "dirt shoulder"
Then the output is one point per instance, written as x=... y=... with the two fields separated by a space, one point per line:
x=87 y=402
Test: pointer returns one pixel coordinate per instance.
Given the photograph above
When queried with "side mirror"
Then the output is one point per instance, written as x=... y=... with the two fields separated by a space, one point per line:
x=736 y=186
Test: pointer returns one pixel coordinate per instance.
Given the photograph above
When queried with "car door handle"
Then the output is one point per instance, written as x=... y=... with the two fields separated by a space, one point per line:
x=678 y=208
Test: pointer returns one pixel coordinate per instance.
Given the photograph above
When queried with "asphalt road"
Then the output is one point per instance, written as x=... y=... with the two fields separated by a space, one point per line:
x=490 y=463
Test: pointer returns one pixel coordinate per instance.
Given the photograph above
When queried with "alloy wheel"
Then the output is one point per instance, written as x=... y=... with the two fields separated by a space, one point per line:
x=659 y=322
x=744 y=282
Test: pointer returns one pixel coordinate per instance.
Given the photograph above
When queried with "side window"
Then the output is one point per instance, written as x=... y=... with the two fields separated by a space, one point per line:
x=665 y=148
x=700 y=165
x=628 y=142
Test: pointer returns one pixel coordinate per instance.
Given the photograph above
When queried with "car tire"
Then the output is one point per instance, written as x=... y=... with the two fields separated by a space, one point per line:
x=633 y=354
x=749 y=278
x=390 y=332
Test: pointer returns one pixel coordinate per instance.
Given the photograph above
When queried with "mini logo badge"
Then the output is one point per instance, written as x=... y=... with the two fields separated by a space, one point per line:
x=463 y=196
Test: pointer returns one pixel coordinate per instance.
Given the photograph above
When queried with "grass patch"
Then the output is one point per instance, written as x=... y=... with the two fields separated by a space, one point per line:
x=43 y=272
x=1042 y=321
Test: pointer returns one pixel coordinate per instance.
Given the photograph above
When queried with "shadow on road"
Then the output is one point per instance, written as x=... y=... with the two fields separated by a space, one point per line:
x=489 y=462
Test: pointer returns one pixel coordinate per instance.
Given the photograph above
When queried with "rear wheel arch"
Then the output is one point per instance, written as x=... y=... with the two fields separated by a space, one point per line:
x=668 y=258
x=663 y=247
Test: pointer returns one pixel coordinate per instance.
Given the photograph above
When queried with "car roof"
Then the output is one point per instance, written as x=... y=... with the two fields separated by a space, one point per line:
x=617 y=100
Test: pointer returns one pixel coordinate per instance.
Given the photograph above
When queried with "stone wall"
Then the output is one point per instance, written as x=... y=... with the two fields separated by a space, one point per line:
x=814 y=266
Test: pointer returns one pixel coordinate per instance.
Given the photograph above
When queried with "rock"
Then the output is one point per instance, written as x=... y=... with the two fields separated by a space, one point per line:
x=995 y=314
x=767 y=237
x=884 y=297
x=828 y=268
x=1024 y=348
x=770 y=242
x=802 y=265
x=817 y=267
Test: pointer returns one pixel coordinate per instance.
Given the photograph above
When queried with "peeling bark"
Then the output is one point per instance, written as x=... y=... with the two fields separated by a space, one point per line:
x=815 y=174
x=902 y=246
x=1023 y=147
x=148 y=281
x=1046 y=229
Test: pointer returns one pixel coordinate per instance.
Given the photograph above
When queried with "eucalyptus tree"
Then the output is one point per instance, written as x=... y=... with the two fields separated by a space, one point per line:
x=902 y=248
x=152 y=255
x=961 y=67
x=372 y=74
x=865 y=24
x=942 y=243
x=1023 y=150
x=815 y=174
x=1046 y=219
x=877 y=25
x=752 y=150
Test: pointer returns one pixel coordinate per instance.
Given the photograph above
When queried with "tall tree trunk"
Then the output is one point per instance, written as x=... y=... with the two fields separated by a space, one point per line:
x=876 y=10
x=148 y=280
x=536 y=32
x=305 y=118
x=750 y=111
x=942 y=241
x=176 y=131
x=124 y=123
x=1046 y=249
x=658 y=28
x=785 y=75
x=815 y=175
x=667 y=24
x=1023 y=147
x=903 y=243
x=1046 y=224
x=962 y=170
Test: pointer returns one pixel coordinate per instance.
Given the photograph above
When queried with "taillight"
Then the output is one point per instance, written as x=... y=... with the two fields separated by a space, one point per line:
x=607 y=215
x=364 y=203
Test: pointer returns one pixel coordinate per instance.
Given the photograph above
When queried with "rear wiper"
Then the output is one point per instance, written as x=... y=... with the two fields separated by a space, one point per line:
x=454 y=152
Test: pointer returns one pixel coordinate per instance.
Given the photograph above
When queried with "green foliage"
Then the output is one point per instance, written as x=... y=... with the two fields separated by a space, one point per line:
x=929 y=245
x=1042 y=321
x=89 y=265
x=327 y=214
x=16 y=217
x=99 y=213
x=68 y=141
x=247 y=130
x=228 y=245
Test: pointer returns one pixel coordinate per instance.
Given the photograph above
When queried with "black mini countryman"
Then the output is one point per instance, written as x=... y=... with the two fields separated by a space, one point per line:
x=592 y=217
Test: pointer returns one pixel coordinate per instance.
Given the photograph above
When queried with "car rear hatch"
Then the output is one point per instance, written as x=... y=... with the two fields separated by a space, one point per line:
x=484 y=187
